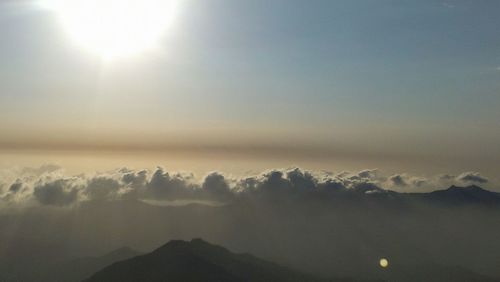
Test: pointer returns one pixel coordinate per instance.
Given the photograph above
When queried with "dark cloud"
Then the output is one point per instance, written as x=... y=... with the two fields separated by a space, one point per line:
x=331 y=185
x=216 y=186
x=16 y=186
x=162 y=185
x=397 y=180
x=278 y=183
x=472 y=177
x=301 y=180
x=368 y=173
x=57 y=193
x=366 y=188
x=102 y=188
x=135 y=179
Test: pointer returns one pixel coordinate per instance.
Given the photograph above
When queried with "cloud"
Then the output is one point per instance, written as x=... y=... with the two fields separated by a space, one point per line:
x=397 y=180
x=134 y=179
x=215 y=185
x=162 y=185
x=419 y=182
x=48 y=186
x=60 y=192
x=410 y=182
x=472 y=177
x=43 y=169
x=16 y=186
x=368 y=173
x=103 y=188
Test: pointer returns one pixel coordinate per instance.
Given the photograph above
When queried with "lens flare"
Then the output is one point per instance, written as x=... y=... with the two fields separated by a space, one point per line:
x=384 y=262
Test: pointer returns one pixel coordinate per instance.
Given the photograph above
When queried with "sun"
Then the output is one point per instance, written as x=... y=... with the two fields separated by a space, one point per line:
x=115 y=28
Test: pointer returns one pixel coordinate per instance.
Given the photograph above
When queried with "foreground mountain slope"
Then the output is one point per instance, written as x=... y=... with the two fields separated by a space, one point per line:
x=196 y=260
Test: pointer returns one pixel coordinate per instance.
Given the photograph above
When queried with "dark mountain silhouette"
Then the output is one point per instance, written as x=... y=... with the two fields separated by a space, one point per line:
x=81 y=268
x=464 y=195
x=197 y=260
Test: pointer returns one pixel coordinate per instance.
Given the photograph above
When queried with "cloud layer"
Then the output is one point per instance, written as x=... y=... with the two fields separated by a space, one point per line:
x=48 y=185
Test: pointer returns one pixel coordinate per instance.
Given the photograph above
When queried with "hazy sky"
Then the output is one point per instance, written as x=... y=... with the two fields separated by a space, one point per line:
x=407 y=81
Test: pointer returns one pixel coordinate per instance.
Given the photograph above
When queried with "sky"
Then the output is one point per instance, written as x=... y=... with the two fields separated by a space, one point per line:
x=244 y=85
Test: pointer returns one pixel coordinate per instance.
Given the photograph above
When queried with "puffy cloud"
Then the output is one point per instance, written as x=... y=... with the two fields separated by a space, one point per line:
x=411 y=182
x=419 y=182
x=301 y=180
x=367 y=188
x=215 y=185
x=162 y=185
x=134 y=179
x=60 y=192
x=397 y=180
x=16 y=186
x=368 y=173
x=48 y=186
x=472 y=177
x=331 y=185
x=102 y=188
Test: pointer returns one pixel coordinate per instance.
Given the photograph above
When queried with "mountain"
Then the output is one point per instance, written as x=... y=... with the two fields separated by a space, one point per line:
x=464 y=195
x=79 y=269
x=197 y=260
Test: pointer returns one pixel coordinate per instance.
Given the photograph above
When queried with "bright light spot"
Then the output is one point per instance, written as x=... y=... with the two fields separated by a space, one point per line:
x=384 y=262
x=115 y=28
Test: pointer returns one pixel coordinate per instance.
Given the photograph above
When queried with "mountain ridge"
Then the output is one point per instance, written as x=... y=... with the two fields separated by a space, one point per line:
x=462 y=195
x=198 y=260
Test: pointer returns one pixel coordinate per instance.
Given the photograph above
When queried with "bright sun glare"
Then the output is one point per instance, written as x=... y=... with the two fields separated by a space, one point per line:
x=115 y=28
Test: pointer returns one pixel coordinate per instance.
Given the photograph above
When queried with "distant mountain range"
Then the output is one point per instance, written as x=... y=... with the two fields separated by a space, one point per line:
x=464 y=195
x=454 y=195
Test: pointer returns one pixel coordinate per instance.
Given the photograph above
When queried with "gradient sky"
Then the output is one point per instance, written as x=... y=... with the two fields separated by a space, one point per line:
x=410 y=81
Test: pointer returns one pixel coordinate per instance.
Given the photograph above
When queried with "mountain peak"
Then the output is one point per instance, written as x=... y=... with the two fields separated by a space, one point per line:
x=199 y=241
x=195 y=243
x=471 y=194
x=196 y=260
